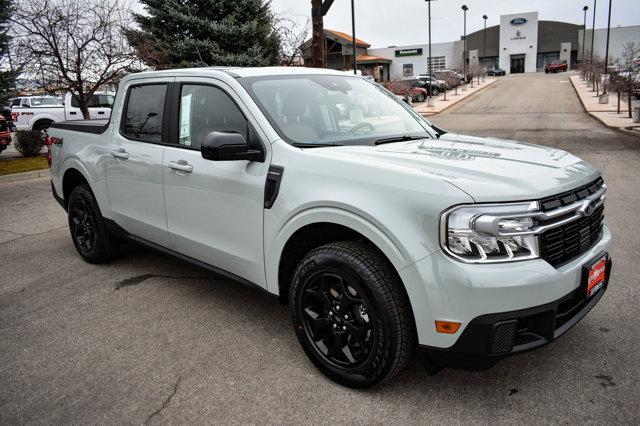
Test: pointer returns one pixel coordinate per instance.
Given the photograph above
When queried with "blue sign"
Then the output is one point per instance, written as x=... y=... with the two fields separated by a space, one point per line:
x=518 y=21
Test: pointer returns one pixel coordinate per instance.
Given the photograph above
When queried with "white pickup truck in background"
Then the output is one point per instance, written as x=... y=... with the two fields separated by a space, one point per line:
x=38 y=112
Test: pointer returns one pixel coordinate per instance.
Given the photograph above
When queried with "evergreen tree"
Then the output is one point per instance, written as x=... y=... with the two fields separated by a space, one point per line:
x=189 y=33
x=7 y=74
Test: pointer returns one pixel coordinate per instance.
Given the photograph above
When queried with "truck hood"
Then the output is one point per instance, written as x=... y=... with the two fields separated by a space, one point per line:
x=487 y=169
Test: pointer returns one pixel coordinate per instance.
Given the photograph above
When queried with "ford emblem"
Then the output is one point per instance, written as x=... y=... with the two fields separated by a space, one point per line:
x=518 y=21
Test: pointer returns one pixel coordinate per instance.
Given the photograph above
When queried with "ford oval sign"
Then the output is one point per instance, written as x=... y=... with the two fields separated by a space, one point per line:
x=518 y=21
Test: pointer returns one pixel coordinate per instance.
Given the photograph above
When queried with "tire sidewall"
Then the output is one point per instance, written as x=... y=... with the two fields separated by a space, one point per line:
x=376 y=367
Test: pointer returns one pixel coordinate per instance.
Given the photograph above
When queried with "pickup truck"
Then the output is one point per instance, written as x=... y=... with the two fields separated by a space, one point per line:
x=382 y=232
x=38 y=112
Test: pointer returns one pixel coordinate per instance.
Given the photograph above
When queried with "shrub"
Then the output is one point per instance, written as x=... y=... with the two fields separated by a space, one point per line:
x=29 y=143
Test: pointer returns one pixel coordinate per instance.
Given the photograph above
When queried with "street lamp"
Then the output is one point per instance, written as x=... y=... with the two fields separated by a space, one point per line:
x=484 y=42
x=353 y=29
x=464 y=49
x=593 y=33
x=606 y=55
x=584 y=31
x=429 y=99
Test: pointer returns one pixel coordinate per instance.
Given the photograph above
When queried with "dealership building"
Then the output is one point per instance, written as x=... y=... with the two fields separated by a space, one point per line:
x=520 y=44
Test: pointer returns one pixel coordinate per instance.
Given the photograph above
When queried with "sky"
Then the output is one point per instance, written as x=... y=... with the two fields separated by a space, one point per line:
x=385 y=23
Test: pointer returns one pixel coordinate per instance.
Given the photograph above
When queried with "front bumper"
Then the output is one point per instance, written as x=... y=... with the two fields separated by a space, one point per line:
x=441 y=288
x=489 y=338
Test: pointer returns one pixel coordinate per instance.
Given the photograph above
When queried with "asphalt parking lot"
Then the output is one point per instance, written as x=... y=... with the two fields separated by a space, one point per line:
x=149 y=338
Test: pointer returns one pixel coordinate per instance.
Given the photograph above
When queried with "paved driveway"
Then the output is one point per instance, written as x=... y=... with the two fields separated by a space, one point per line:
x=151 y=338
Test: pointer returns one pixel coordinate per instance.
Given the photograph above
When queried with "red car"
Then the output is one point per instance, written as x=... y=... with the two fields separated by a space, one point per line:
x=5 y=136
x=556 y=66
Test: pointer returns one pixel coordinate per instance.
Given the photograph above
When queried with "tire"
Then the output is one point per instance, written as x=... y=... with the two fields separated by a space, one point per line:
x=88 y=229
x=435 y=91
x=42 y=127
x=420 y=97
x=348 y=292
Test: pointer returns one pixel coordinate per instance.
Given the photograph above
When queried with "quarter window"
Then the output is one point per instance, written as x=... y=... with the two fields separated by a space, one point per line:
x=206 y=109
x=144 y=112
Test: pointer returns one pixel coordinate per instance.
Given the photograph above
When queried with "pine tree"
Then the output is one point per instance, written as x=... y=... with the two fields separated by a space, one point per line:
x=189 y=33
x=7 y=74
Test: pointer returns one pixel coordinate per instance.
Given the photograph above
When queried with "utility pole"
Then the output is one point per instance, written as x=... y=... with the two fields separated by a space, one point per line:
x=353 y=30
x=484 y=42
x=464 y=49
x=584 y=31
x=606 y=55
x=319 y=8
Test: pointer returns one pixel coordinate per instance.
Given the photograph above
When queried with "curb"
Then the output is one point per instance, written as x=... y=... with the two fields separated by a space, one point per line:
x=449 y=105
x=15 y=177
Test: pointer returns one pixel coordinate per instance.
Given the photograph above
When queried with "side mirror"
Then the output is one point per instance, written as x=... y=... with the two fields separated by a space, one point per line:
x=227 y=146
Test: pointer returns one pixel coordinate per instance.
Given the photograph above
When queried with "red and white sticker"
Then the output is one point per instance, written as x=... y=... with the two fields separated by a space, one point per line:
x=597 y=276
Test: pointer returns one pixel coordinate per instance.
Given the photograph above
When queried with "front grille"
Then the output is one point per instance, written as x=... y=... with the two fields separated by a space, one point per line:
x=564 y=243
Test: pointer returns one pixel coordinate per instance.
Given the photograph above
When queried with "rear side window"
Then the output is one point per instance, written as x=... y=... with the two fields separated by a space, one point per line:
x=144 y=112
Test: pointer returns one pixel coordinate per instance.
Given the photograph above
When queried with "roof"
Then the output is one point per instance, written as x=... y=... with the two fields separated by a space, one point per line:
x=372 y=59
x=234 y=72
x=347 y=37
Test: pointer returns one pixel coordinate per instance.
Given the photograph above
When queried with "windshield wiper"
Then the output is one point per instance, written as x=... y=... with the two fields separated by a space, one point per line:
x=402 y=138
x=314 y=145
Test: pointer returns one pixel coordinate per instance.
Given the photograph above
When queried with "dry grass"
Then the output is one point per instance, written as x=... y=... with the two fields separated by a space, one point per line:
x=23 y=164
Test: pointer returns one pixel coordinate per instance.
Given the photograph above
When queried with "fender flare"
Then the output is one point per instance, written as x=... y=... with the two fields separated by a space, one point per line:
x=358 y=221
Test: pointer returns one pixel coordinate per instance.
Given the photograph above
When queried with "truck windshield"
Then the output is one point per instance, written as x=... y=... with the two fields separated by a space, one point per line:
x=318 y=110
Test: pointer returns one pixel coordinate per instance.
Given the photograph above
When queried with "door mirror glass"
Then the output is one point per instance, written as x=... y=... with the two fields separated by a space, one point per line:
x=227 y=146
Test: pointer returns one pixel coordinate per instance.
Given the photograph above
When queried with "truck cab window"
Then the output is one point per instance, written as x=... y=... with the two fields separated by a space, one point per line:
x=144 y=112
x=206 y=109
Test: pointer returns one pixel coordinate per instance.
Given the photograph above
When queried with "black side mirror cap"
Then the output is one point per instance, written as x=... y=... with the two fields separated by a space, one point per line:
x=228 y=146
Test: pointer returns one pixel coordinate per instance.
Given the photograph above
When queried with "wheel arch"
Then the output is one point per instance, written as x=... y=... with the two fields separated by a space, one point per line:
x=315 y=227
x=41 y=119
x=71 y=178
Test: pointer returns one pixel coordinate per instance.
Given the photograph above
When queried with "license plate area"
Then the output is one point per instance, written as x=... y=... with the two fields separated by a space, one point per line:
x=595 y=275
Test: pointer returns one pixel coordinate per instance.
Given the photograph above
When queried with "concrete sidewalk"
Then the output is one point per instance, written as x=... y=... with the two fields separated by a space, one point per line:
x=452 y=98
x=605 y=113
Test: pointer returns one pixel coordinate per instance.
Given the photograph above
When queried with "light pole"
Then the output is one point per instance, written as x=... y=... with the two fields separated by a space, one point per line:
x=464 y=48
x=429 y=99
x=353 y=29
x=584 y=31
x=484 y=42
x=606 y=55
x=593 y=33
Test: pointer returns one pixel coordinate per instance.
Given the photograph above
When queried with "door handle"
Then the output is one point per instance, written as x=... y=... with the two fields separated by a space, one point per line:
x=100 y=112
x=120 y=153
x=72 y=113
x=181 y=166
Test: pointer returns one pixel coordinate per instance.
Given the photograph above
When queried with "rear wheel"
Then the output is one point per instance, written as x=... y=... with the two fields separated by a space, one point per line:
x=420 y=97
x=351 y=315
x=435 y=91
x=88 y=230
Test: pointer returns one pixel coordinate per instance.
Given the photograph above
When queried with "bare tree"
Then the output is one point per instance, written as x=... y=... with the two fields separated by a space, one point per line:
x=292 y=37
x=630 y=75
x=74 y=46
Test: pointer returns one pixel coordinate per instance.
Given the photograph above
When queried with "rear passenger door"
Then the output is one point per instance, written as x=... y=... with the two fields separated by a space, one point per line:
x=134 y=163
x=214 y=208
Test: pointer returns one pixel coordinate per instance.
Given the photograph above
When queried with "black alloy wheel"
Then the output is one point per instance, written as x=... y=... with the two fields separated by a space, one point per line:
x=351 y=314
x=336 y=318
x=88 y=229
x=83 y=228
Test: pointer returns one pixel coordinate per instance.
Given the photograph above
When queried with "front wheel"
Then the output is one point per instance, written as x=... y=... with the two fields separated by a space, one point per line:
x=89 y=233
x=420 y=97
x=351 y=315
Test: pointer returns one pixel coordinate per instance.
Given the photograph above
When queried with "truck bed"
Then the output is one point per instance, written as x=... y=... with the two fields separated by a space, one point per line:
x=85 y=126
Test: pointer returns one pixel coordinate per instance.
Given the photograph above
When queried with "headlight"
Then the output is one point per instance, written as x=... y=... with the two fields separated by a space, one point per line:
x=490 y=233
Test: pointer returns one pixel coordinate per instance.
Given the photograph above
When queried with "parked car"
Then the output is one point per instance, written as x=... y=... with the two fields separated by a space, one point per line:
x=423 y=82
x=452 y=78
x=383 y=233
x=5 y=112
x=555 y=66
x=38 y=112
x=5 y=136
x=496 y=71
